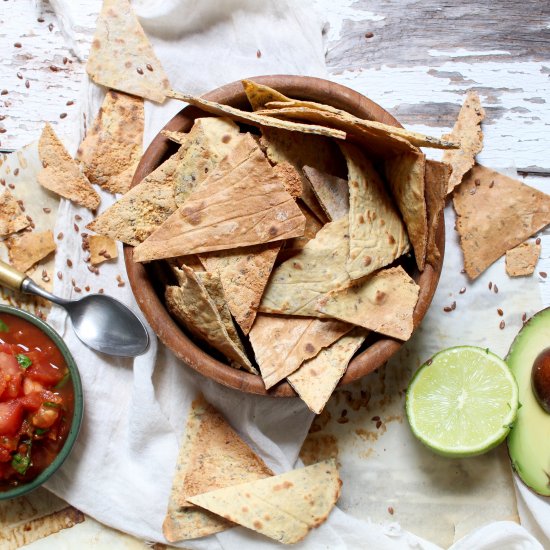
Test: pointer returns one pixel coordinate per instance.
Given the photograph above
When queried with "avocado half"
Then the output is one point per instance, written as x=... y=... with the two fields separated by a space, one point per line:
x=529 y=439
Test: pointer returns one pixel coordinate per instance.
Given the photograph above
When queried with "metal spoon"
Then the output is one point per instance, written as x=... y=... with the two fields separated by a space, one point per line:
x=101 y=322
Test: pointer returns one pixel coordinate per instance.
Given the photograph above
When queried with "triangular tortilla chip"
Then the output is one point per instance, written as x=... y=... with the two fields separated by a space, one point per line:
x=282 y=344
x=191 y=304
x=297 y=284
x=61 y=174
x=405 y=175
x=522 y=260
x=254 y=119
x=29 y=248
x=264 y=97
x=494 y=214
x=316 y=378
x=213 y=285
x=382 y=303
x=211 y=456
x=147 y=205
x=210 y=140
x=12 y=218
x=236 y=206
x=436 y=180
x=112 y=147
x=101 y=249
x=243 y=273
x=284 y=507
x=331 y=191
x=121 y=56
x=377 y=235
x=467 y=132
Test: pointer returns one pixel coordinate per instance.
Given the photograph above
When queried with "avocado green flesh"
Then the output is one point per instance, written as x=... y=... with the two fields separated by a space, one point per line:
x=529 y=439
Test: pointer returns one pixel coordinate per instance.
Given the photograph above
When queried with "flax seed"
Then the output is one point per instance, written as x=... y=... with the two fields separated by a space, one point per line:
x=390 y=510
x=60 y=275
x=17 y=45
x=462 y=290
x=11 y=186
x=490 y=285
x=78 y=218
x=60 y=236
x=502 y=325
x=69 y=262
x=543 y=274
x=69 y=103
x=524 y=317
x=500 y=312
x=76 y=228
x=27 y=84
x=537 y=241
x=77 y=289
x=139 y=70
x=63 y=115
x=100 y=291
x=495 y=288
x=447 y=309
x=149 y=67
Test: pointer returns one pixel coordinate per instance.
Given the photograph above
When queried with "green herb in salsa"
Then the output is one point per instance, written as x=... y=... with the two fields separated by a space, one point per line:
x=23 y=360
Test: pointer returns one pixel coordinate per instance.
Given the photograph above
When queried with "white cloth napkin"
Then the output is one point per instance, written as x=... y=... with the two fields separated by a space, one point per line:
x=120 y=470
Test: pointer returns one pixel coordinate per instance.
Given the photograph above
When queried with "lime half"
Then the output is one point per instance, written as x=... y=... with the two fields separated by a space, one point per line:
x=462 y=402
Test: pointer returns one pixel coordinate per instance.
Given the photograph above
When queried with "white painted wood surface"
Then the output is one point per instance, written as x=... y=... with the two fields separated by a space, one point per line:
x=416 y=58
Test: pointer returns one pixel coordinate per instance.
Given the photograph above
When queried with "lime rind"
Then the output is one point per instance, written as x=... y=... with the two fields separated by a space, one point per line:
x=462 y=402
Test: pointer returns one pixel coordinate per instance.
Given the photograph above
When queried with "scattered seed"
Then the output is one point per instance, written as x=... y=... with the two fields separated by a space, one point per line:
x=69 y=262
x=46 y=210
x=139 y=70
x=524 y=317
x=463 y=271
x=50 y=26
x=491 y=184
x=490 y=285
x=4 y=92
x=70 y=102
x=477 y=182
x=537 y=241
x=100 y=291
x=369 y=34
x=27 y=84
x=29 y=219
x=473 y=191
x=3 y=130
x=11 y=186
x=502 y=325
x=60 y=275
x=2 y=117
x=17 y=45
x=462 y=290
x=63 y=115
x=378 y=424
x=390 y=510
x=60 y=236
x=65 y=59
x=344 y=412
x=121 y=284
x=429 y=362
x=77 y=289
x=375 y=418
x=44 y=164
x=258 y=54
x=495 y=288
x=78 y=218
x=54 y=68
x=76 y=228
x=543 y=274
x=87 y=288
x=19 y=76
x=149 y=67
x=16 y=172
x=447 y=309
x=453 y=306
x=73 y=282
x=40 y=20
x=500 y=312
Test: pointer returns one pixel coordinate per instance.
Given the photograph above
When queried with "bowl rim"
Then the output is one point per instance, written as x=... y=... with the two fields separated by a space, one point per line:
x=43 y=476
x=167 y=329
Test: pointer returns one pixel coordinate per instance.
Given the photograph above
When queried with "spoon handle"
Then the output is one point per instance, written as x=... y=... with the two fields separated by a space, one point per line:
x=11 y=277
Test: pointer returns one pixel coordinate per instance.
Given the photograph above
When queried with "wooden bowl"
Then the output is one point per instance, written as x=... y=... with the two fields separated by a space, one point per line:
x=148 y=280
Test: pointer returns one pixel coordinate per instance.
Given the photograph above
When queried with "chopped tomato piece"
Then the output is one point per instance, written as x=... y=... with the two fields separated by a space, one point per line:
x=12 y=376
x=11 y=414
x=43 y=372
x=45 y=416
x=30 y=386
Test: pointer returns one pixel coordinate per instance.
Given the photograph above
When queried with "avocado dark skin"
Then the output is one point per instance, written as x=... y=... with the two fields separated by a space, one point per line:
x=529 y=439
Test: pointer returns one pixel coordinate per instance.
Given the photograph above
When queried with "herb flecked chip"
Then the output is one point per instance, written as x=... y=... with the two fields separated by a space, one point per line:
x=4 y=327
x=23 y=360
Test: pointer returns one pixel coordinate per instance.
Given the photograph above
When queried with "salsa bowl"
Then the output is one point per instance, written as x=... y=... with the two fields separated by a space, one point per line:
x=41 y=402
x=148 y=280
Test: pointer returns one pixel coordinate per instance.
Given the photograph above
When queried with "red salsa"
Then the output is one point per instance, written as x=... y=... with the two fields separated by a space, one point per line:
x=36 y=401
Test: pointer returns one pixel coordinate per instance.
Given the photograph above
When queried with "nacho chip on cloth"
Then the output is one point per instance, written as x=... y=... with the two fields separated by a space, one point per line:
x=494 y=214
x=235 y=206
x=282 y=344
x=111 y=150
x=436 y=177
x=467 y=131
x=254 y=119
x=405 y=175
x=243 y=273
x=331 y=191
x=377 y=235
x=133 y=217
x=61 y=174
x=212 y=456
x=121 y=56
x=101 y=249
x=316 y=378
x=12 y=218
x=298 y=283
x=29 y=248
x=522 y=260
x=210 y=140
x=383 y=303
x=284 y=507
x=191 y=304
x=264 y=97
